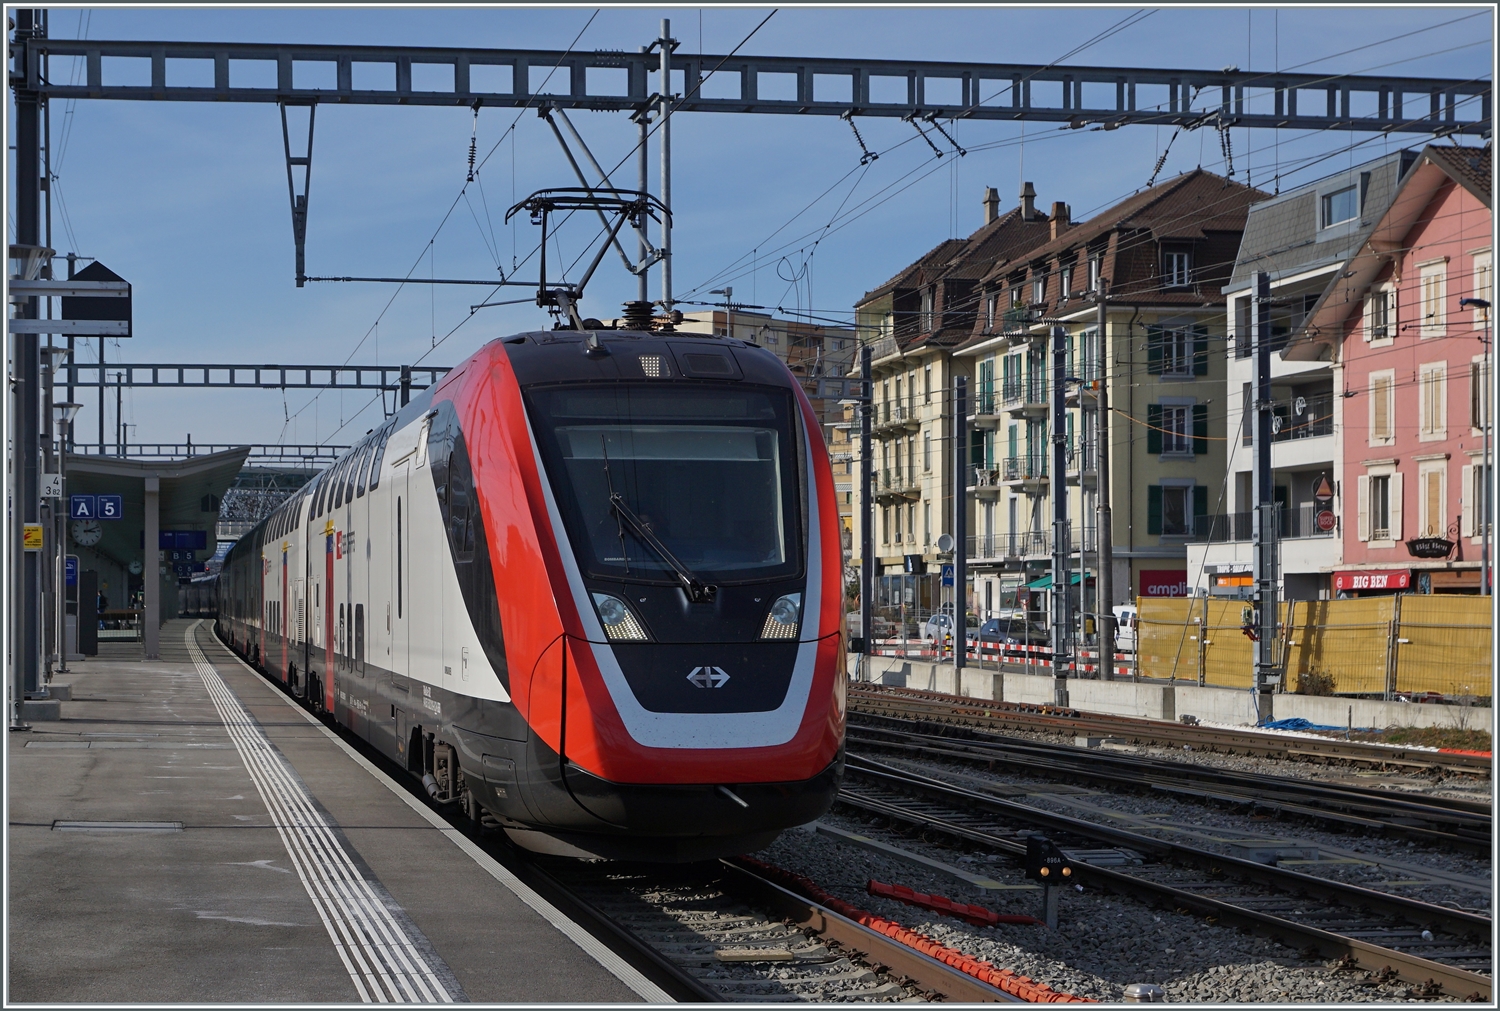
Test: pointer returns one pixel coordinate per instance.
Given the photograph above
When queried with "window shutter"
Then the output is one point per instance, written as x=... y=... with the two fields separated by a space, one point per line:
x=1395 y=507
x=1153 y=350
x=1364 y=507
x=1200 y=429
x=1153 y=509
x=1200 y=507
x=1200 y=351
x=1470 y=496
x=1153 y=432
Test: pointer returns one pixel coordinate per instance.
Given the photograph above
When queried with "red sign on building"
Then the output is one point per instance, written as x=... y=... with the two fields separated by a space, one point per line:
x=1375 y=579
x=1164 y=583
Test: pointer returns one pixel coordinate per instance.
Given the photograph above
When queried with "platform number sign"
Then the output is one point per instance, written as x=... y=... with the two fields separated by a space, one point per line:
x=83 y=507
x=111 y=507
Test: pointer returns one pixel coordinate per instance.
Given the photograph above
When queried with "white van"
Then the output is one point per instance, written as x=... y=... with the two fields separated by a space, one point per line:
x=1125 y=627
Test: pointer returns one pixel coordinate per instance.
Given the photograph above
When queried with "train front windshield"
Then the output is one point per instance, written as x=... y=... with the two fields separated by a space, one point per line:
x=710 y=472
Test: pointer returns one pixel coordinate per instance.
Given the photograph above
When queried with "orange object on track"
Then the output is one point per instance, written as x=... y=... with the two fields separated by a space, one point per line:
x=1003 y=979
x=977 y=915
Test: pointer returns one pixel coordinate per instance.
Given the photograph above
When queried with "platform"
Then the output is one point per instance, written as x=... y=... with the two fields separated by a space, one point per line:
x=185 y=833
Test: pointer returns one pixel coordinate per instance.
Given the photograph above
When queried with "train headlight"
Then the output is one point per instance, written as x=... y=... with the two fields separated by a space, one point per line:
x=620 y=623
x=784 y=619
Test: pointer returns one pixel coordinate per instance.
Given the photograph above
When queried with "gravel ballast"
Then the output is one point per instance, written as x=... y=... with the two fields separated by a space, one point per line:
x=1103 y=943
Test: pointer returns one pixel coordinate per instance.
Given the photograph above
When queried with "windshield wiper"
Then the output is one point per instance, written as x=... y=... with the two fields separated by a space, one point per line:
x=698 y=591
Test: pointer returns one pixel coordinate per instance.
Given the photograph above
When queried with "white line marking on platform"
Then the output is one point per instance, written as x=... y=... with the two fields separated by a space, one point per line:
x=383 y=963
x=617 y=966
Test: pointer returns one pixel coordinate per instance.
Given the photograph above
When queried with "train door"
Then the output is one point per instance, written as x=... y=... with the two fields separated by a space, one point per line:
x=400 y=521
x=426 y=553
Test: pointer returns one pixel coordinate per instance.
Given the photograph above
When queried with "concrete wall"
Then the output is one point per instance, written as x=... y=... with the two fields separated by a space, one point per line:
x=1159 y=700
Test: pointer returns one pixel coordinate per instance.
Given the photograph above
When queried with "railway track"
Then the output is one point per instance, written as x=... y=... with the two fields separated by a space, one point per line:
x=720 y=933
x=918 y=704
x=1435 y=821
x=1437 y=949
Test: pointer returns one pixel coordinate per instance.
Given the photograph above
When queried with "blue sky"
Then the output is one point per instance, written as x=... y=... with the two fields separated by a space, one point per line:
x=189 y=201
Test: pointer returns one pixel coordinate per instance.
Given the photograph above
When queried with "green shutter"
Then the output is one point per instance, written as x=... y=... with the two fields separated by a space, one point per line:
x=976 y=447
x=1153 y=509
x=1153 y=431
x=1200 y=500
x=1200 y=351
x=1153 y=350
x=1200 y=429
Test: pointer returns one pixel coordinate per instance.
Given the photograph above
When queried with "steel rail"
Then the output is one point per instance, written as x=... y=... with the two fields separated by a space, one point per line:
x=926 y=971
x=1139 y=730
x=1423 y=914
x=1411 y=968
x=1465 y=824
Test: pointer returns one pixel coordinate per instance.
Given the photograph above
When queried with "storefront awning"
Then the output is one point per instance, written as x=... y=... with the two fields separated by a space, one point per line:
x=1045 y=583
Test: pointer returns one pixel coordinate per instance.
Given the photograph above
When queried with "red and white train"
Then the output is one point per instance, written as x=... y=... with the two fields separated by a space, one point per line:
x=588 y=584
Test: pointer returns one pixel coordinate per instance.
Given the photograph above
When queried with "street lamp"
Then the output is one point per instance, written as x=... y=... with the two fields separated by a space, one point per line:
x=1486 y=404
x=66 y=412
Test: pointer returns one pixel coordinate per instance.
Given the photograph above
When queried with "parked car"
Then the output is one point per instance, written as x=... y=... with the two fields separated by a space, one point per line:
x=941 y=624
x=1013 y=628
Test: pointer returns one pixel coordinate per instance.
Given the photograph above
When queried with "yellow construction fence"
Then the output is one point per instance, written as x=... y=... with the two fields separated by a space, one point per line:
x=1372 y=645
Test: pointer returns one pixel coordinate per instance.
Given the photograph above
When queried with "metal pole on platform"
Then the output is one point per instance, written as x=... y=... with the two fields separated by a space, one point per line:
x=1104 y=589
x=1264 y=487
x=866 y=508
x=960 y=528
x=1061 y=575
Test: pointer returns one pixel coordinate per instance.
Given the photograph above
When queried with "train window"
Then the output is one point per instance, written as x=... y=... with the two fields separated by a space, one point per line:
x=398 y=556
x=385 y=437
x=359 y=638
x=317 y=503
x=363 y=470
x=737 y=449
x=356 y=463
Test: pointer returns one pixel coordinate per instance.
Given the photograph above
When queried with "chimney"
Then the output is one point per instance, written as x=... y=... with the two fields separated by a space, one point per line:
x=1059 y=219
x=991 y=204
x=1028 y=202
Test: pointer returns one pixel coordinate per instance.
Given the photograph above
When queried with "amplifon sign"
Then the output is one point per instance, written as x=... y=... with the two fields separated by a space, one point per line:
x=1375 y=579
x=1163 y=583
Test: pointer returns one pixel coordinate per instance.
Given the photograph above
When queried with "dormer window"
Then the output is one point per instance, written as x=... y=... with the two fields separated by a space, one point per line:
x=1096 y=266
x=1340 y=205
x=926 y=323
x=1177 y=269
x=991 y=305
x=1039 y=289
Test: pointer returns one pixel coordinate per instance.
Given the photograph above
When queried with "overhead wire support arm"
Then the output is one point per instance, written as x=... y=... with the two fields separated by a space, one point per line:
x=866 y=155
x=931 y=118
x=299 y=200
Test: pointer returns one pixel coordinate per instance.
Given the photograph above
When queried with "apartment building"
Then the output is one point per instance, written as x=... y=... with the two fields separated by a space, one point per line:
x=913 y=322
x=1162 y=257
x=1411 y=366
x=1303 y=239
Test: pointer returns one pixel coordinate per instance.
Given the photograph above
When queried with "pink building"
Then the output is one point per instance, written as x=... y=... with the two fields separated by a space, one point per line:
x=1412 y=368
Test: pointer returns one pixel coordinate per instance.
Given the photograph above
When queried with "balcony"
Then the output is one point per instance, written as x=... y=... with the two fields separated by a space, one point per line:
x=1297 y=418
x=1016 y=322
x=1298 y=522
x=986 y=482
x=988 y=411
x=1024 y=469
x=1027 y=544
x=1082 y=462
x=892 y=417
x=1024 y=397
x=897 y=484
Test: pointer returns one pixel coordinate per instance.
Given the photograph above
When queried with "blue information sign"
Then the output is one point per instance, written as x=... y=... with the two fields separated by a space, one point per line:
x=111 y=507
x=70 y=570
x=947 y=575
x=83 y=507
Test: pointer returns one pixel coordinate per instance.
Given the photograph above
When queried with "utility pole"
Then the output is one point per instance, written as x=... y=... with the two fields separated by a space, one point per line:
x=26 y=439
x=1265 y=529
x=866 y=508
x=667 y=44
x=1104 y=588
x=960 y=528
x=1061 y=617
